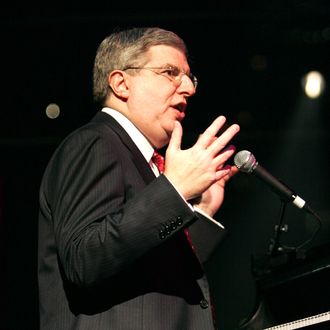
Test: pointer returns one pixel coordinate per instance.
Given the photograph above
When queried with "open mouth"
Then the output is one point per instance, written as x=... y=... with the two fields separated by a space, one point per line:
x=180 y=107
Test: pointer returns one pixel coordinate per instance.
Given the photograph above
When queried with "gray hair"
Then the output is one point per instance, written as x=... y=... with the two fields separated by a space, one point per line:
x=126 y=48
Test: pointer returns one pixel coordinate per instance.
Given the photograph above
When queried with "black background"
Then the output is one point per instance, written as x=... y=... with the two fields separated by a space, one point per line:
x=249 y=57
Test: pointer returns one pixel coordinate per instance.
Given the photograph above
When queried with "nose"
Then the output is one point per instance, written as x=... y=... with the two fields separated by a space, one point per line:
x=187 y=86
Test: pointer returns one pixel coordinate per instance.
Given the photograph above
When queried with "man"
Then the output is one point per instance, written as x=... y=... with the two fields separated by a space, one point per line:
x=121 y=244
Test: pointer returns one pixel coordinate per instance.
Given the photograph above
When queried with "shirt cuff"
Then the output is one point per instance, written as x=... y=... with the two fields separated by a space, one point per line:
x=208 y=217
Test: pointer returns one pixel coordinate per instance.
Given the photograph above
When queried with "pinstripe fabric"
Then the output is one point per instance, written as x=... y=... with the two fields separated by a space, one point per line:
x=112 y=253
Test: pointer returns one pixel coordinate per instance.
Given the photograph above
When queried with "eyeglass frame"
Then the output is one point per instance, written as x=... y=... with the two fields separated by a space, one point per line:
x=176 y=78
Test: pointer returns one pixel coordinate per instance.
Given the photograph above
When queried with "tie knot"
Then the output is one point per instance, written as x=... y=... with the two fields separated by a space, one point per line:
x=159 y=161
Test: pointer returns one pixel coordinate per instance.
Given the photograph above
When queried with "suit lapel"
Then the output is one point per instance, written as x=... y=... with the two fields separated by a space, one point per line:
x=144 y=169
x=138 y=159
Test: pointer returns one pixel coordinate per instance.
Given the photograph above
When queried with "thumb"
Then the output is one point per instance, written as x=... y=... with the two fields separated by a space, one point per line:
x=176 y=137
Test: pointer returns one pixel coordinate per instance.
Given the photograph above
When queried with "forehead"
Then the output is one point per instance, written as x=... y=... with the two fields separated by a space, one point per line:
x=163 y=54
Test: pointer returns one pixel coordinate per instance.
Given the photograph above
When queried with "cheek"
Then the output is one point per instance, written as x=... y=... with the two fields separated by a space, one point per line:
x=152 y=102
x=155 y=95
x=149 y=99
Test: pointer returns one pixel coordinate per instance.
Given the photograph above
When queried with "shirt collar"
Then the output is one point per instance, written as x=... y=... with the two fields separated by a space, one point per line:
x=138 y=138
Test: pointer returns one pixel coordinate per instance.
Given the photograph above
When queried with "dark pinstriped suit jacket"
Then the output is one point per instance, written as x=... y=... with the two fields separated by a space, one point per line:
x=112 y=250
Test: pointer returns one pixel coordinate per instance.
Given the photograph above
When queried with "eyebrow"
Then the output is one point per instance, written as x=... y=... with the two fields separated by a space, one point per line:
x=175 y=66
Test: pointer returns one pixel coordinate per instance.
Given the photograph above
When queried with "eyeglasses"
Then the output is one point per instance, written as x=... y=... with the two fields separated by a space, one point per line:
x=173 y=73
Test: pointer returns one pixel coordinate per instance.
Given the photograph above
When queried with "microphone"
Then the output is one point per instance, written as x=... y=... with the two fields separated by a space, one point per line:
x=246 y=162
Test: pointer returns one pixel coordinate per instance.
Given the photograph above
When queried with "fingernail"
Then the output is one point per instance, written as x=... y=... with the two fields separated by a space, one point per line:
x=236 y=127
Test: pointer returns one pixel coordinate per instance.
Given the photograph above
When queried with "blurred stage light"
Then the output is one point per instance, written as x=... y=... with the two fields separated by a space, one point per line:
x=52 y=111
x=313 y=84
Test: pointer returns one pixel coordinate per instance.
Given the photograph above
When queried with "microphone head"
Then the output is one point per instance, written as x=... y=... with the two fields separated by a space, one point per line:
x=245 y=161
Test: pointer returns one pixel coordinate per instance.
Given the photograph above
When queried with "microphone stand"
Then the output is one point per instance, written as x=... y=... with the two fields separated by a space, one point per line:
x=265 y=264
x=278 y=254
x=275 y=247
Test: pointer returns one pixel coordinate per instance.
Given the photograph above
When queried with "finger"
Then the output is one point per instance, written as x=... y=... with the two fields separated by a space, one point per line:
x=226 y=173
x=220 y=174
x=224 y=139
x=223 y=156
x=207 y=137
x=176 y=137
x=233 y=170
x=220 y=161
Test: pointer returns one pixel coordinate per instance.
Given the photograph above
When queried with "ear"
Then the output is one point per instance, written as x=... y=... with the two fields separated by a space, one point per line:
x=118 y=82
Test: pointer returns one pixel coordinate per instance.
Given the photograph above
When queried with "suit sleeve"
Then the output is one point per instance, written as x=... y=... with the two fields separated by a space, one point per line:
x=103 y=216
x=205 y=236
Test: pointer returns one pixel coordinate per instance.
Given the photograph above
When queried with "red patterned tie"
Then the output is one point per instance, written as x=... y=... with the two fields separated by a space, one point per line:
x=159 y=161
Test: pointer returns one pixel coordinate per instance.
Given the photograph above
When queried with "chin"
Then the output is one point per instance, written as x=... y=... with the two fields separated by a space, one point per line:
x=163 y=135
x=163 y=141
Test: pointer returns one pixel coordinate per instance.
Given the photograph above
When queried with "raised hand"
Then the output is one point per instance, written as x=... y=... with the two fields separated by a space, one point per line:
x=193 y=171
x=213 y=197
